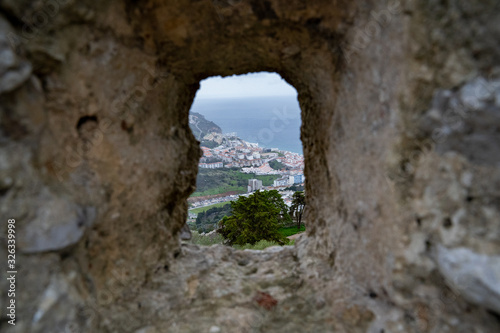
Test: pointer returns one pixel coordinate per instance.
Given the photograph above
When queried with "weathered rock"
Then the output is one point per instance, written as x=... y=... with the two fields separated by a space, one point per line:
x=57 y=225
x=474 y=276
x=94 y=113
x=185 y=233
x=13 y=71
x=467 y=121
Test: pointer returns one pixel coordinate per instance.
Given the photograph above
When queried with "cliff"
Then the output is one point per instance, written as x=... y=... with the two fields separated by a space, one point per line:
x=201 y=126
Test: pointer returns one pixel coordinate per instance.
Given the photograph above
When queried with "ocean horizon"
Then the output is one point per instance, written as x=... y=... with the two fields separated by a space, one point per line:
x=272 y=122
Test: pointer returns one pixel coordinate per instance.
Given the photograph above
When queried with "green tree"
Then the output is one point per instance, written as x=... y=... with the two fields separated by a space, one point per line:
x=275 y=198
x=207 y=220
x=298 y=206
x=276 y=165
x=256 y=217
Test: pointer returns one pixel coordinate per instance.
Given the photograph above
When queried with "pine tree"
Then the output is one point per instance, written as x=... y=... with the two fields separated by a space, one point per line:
x=255 y=218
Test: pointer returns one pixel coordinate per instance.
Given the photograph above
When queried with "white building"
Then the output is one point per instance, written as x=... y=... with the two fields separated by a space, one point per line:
x=284 y=181
x=297 y=179
x=254 y=185
x=215 y=165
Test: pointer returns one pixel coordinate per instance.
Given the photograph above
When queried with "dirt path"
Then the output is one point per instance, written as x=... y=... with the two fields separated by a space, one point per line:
x=295 y=236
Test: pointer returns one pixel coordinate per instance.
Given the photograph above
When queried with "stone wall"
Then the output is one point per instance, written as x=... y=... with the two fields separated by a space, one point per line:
x=400 y=127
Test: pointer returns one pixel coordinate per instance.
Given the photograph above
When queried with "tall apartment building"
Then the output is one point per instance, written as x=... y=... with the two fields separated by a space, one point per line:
x=254 y=185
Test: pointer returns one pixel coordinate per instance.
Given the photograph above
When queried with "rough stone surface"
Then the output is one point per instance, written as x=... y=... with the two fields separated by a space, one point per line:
x=57 y=225
x=475 y=276
x=400 y=116
x=13 y=71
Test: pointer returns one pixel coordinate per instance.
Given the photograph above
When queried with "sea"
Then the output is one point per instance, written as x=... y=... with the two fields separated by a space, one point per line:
x=272 y=122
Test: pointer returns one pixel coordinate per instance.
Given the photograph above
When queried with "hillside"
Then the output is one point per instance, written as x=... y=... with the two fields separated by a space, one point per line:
x=216 y=181
x=208 y=219
x=201 y=126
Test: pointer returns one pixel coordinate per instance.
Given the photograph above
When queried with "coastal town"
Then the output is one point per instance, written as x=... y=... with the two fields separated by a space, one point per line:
x=233 y=152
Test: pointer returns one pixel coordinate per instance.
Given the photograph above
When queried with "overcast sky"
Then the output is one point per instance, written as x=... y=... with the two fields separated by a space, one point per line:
x=248 y=85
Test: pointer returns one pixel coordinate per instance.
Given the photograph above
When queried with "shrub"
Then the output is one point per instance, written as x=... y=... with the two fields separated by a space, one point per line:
x=206 y=240
x=261 y=245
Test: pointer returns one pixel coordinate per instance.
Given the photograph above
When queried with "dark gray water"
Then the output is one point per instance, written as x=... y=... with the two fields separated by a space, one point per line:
x=273 y=122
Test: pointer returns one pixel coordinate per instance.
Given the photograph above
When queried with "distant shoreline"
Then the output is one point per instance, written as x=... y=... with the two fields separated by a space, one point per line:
x=270 y=121
x=244 y=97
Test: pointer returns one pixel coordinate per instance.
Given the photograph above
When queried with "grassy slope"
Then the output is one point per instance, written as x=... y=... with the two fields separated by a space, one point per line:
x=202 y=209
x=288 y=231
x=217 y=181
